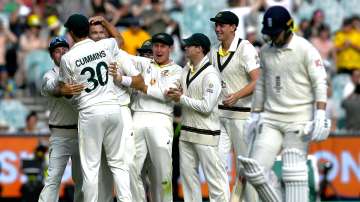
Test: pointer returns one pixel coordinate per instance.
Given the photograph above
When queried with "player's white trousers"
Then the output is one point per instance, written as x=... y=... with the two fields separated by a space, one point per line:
x=106 y=182
x=232 y=136
x=153 y=138
x=191 y=156
x=276 y=136
x=109 y=126
x=63 y=145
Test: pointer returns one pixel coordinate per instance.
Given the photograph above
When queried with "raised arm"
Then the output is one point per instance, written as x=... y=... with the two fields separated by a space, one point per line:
x=111 y=29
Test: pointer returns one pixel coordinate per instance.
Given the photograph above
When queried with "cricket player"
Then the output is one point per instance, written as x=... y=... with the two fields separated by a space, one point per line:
x=100 y=28
x=103 y=118
x=152 y=117
x=200 y=132
x=63 y=125
x=238 y=63
x=288 y=109
x=146 y=49
x=148 y=171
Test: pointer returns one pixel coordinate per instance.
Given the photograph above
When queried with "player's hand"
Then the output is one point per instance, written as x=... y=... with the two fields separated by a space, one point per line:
x=230 y=99
x=97 y=19
x=251 y=127
x=322 y=125
x=113 y=71
x=66 y=89
x=174 y=94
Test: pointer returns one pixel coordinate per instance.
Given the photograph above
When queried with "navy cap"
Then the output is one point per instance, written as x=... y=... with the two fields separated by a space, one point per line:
x=276 y=19
x=198 y=39
x=145 y=47
x=76 y=23
x=57 y=42
x=162 y=38
x=226 y=17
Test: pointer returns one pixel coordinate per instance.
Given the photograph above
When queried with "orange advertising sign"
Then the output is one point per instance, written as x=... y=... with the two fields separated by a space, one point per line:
x=343 y=152
x=13 y=149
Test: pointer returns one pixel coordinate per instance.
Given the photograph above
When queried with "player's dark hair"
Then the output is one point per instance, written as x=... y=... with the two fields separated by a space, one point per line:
x=81 y=33
x=357 y=89
x=31 y=114
x=205 y=50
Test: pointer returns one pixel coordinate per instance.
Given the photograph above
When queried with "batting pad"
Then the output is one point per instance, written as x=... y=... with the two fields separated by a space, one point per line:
x=255 y=175
x=294 y=174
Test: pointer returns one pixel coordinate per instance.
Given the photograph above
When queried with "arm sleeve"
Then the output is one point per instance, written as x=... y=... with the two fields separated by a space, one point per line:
x=48 y=84
x=317 y=74
x=127 y=64
x=211 y=87
x=258 y=98
x=172 y=81
x=251 y=57
x=120 y=57
x=139 y=62
x=112 y=46
x=64 y=72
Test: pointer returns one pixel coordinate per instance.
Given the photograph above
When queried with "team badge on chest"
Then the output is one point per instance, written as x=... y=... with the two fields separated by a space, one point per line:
x=148 y=70
x=164 y=73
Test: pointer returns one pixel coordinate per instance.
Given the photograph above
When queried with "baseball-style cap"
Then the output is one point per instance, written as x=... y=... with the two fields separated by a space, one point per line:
x=226 y=17
x=57 y=42
x=276 y=19
x=162 y=38
x=145 y=47
x=198 y=39
x=77 y=22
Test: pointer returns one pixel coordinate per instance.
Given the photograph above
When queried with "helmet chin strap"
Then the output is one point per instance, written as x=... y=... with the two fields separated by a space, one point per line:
x=288 y=33
x=266 y=38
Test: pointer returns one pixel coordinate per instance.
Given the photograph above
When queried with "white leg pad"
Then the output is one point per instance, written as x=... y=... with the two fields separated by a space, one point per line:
x=255 y=175
x=294 y=173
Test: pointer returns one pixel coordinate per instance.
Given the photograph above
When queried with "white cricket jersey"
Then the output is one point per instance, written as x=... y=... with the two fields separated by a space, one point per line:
x=234 y=69
x=87 y=62
x=61 y=112
x=292 y=79
x=158 y=79
x=125 y=67
x=200 y=115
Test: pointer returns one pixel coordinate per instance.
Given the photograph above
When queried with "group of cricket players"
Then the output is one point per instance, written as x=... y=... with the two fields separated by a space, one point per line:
x=112 y=113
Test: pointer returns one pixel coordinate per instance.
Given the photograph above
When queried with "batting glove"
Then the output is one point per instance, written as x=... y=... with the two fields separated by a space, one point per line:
x=322 y=126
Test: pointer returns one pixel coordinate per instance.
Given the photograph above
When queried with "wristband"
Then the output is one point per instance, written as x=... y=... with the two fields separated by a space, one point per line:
x=126 y=81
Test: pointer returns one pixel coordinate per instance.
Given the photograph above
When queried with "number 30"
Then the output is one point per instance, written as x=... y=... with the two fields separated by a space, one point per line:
x=98 y=74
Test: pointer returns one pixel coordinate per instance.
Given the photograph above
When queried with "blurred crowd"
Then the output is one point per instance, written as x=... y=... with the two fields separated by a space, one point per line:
x=26 y=26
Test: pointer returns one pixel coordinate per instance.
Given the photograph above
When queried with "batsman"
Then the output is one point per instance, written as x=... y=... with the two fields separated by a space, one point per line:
x=288 y=110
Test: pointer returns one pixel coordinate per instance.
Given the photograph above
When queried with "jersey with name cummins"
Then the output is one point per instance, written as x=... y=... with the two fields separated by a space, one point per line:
x=90 y=58
x=87 y=62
